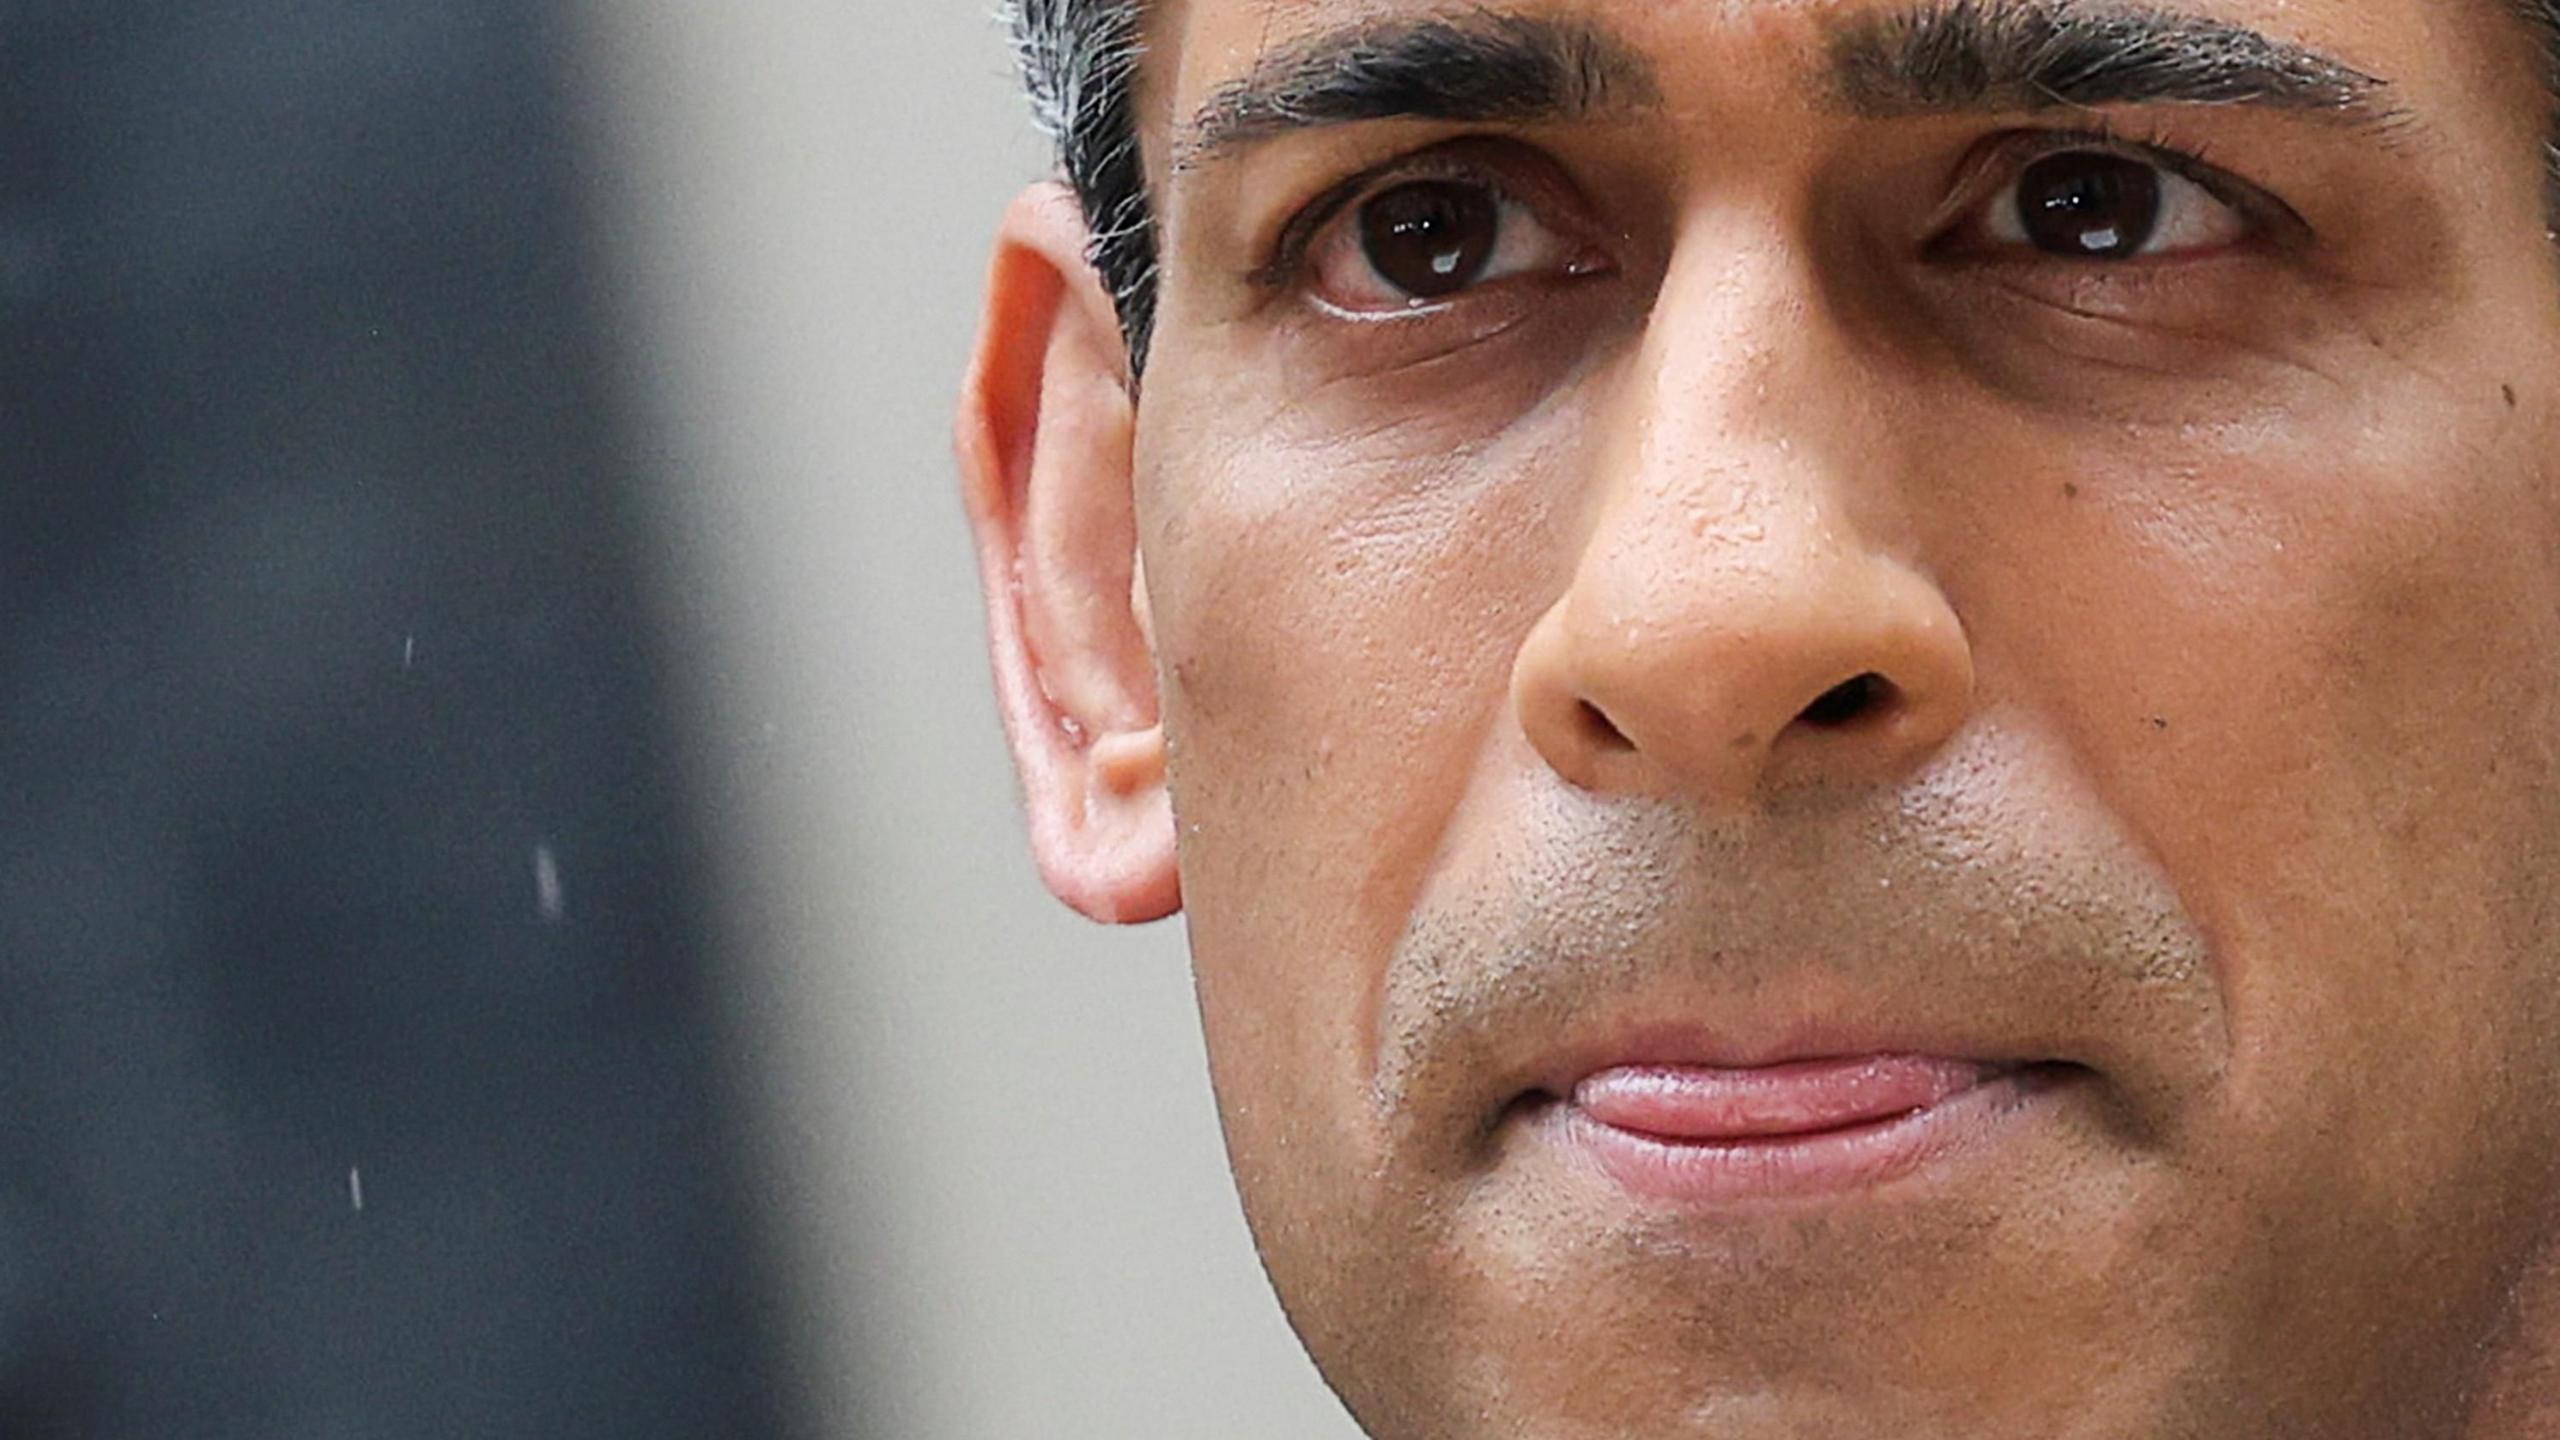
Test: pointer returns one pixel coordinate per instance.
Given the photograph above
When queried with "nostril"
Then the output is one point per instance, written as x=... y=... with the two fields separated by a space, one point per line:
x=1603 y=732
x=1847 y=701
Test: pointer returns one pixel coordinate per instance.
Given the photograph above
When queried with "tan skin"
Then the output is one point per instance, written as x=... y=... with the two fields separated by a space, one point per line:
x=1454 y=669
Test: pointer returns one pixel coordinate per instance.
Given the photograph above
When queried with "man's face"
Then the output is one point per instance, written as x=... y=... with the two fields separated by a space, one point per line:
x=1863 y=714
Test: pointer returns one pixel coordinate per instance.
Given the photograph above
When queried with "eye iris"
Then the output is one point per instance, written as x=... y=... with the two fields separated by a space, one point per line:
x=2104 y=207
x=1430 y=239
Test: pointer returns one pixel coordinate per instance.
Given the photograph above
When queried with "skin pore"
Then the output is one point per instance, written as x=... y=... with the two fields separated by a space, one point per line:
x=1769 y=529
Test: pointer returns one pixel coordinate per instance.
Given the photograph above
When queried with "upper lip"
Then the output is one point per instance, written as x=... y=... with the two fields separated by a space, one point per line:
x=1732 y=1042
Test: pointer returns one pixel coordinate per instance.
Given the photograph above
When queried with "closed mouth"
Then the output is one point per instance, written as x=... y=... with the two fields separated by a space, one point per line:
x=1802 y=1129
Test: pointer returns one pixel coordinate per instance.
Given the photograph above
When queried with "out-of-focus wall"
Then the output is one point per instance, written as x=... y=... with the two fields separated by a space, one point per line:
x=355 y=1081
x=1005 y=1212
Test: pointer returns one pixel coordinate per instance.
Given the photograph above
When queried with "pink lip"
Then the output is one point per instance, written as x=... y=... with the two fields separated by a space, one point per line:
x=1702 y=1134
x=1707 y=1103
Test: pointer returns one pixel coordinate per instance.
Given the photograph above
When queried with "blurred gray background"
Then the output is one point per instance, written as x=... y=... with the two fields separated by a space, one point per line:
x=986 y=1126
x=513 y=917
x=360 y=1071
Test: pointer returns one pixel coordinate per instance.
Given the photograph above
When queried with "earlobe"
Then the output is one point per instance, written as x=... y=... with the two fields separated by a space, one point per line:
x=1046 y=437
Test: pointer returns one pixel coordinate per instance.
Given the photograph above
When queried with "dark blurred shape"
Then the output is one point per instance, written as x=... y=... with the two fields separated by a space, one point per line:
x=357 y=1068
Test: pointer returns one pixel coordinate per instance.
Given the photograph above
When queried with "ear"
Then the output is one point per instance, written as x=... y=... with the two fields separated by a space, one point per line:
x=1047 y=424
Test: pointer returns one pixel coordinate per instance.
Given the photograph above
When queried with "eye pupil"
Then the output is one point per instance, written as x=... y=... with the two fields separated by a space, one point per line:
x=2091 y=206
x=1430 y=238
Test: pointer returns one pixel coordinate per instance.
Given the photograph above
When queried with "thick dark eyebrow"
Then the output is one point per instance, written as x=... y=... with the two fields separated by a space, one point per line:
x=1475 y=67
x=1952 y=57
x=2025 y=56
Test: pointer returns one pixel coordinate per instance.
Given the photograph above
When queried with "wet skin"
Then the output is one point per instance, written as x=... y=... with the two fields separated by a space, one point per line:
x=1775 y=602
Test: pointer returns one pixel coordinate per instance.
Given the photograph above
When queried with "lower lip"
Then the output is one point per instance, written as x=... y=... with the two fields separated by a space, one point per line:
x=1700 y=1136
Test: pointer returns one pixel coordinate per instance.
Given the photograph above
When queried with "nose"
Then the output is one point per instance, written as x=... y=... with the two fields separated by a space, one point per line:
x=1729 y=628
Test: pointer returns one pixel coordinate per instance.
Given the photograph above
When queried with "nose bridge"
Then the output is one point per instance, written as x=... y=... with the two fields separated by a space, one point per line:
x=1719 y=499
x=1741 y=368
x=1729 y=609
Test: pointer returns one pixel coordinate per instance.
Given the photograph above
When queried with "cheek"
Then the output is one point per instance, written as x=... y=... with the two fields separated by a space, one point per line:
x=2312 y=665
x=1337 y=630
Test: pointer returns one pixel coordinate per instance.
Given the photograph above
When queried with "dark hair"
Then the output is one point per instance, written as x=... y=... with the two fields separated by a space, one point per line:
x=1080 y=62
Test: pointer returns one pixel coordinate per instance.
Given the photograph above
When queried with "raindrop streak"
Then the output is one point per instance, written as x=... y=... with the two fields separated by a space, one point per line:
x=548 y=900
x=408 y=651
x=355 y=1188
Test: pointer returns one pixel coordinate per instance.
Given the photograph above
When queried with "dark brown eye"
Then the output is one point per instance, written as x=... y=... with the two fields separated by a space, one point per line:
x=1431 y=238
x=2090 y=205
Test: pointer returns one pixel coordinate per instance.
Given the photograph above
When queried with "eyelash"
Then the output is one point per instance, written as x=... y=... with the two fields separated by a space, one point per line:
x=2005 y=157
x=1996 y=162
x=1289 y=251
